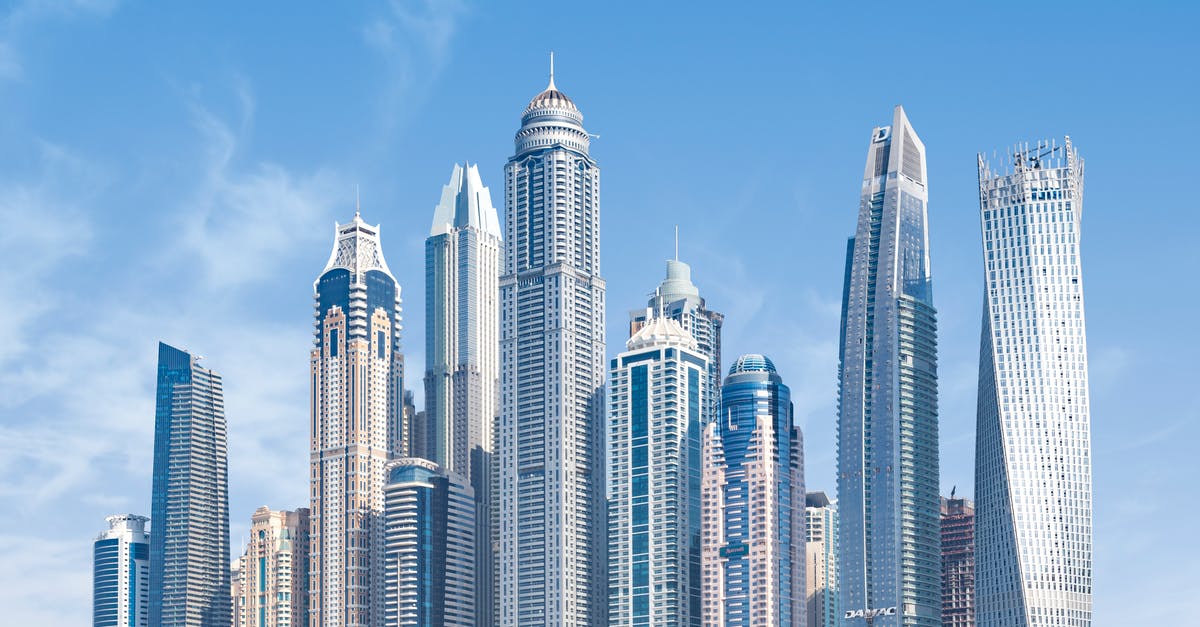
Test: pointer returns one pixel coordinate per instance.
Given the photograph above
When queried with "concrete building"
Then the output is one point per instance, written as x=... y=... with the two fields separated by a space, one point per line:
x=658 y=406
x=273 y=570
x=752 y=495
x=357 y=375
x=821 y=543
x=189 y=543
x=888 y=422
x=121 y=573
x=958 y=562
x=1033 y=465
x=550 y=441
x=429 y=552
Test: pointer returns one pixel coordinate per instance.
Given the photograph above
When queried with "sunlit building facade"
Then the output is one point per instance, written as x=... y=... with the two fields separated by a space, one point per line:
x=1033 y=467
x=273 y=571
x=658 y=406
x=888 y=415
x=429 y=553
x=462 y=351
x=189 y=541
x=356 y=426
x=752 y=497
x=820 y=544
x=121 y=573
x=550 y=443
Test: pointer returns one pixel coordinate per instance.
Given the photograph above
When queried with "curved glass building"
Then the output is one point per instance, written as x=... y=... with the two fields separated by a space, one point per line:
x=888 y=500
x=752 y=494
x=121 y=573
x=550 y=441
x=1033 y=447
x=356 y=371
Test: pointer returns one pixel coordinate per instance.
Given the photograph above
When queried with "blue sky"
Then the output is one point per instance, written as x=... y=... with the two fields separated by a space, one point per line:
x=172 y=171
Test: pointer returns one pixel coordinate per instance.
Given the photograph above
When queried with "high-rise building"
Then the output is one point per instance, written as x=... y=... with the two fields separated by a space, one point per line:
x=679 y=299
x=429 y=554
x=236 y=595
x=357 y=375
x=820 y=543
x=888 y=426
x=752 y=496
x=189 y=542
x=550 y=443
x=658 y=406
x=958 y=562
x=416 y=432
x=121 y=573
x=273 y=571
x=1033 y=468
x=462 y=350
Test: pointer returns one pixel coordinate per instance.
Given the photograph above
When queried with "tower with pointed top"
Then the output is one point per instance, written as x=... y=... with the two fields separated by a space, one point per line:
x=679 y=299
x=356 y=372
x=550 y=441
x=462 y=371
x=888 y=501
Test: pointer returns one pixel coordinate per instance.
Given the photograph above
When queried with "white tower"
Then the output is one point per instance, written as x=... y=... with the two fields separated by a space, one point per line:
x=551 y=435
x=1033 y=468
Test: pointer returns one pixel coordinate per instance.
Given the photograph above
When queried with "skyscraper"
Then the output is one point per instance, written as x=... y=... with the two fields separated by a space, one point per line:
x=887 y=425
x=357 y=407
x=658 y=406
x=958 y=562
x=679 y=299
x=429 y=556
x=462 y=318
x=189 y=542
x=820 y=543
x=1033 y=468
x=753 y=504
x=121 y=573
x=551 y=440
x=273 y=571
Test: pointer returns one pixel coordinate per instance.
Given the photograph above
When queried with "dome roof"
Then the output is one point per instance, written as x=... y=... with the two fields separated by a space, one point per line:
x=551 y=98
x=661 y=331
x=752 y=363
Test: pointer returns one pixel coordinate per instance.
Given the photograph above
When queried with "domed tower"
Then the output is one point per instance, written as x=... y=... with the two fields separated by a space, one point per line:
x=551 y=499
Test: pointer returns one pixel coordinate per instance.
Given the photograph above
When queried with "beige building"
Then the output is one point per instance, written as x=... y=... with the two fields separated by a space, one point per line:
x=271 y=584
x=821 y=548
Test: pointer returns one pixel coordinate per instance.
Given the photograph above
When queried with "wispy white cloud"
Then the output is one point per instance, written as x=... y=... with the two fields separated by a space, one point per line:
x=45 y=582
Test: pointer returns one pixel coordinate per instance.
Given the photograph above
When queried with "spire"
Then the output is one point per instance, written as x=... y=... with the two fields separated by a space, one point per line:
x=551 y=86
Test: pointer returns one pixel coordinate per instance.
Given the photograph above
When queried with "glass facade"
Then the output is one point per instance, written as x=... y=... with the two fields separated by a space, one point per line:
x=356 y=426
x=462 y=317
x=429 y=554
x=550 y=440
x=657 y=408
x=821 y=546
x=753 y=547
x=1033 y=469
x=189 y=544
x=887 y=425
x=121 y=574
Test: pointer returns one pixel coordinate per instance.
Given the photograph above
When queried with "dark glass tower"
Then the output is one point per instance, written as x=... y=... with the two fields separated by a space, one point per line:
x=887 y=427
x=189 y=540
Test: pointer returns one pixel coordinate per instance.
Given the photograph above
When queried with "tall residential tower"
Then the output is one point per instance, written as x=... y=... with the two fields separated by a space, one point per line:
x=659 y=404
x=550 y=443
x=462 y=335
x=121 y=574
x=752 y=494
x=679 y=299
x=356 y=370
x=888 y=425
x=1033 y=466
x=821 y=543
x=958 y=562
x=273 y=572
x=189 y=542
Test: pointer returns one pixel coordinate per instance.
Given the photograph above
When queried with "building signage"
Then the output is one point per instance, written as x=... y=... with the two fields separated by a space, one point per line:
x=883 y=611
